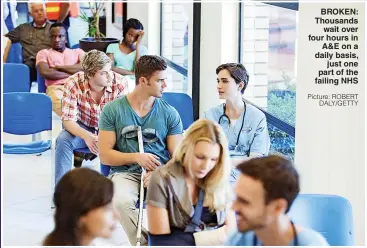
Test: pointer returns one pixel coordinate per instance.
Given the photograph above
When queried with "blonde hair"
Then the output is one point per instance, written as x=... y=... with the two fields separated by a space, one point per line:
x=93 y=61
x=216 y=183
x=33 y=3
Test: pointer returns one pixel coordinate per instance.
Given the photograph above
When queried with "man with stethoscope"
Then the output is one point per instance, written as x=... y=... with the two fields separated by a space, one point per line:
x=245 y=125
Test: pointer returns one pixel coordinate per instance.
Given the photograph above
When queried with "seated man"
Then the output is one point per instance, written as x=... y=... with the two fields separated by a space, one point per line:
x=265 y=191
x=32 y=36
x=57 y=64
x=118 y=142
x=85 y=94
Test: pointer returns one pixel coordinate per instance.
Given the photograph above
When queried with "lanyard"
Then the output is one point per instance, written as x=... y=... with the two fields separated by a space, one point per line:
x=295 y=236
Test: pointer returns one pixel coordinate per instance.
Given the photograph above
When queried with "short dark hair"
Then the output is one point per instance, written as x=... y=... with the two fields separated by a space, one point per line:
x=238 y=73
x=147 y=65
x=132 y=23
x=57 y=24
x=277 y=175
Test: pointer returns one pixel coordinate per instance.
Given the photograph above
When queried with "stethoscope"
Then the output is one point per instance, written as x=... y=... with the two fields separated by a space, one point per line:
x=226 y=116
x=295 y=236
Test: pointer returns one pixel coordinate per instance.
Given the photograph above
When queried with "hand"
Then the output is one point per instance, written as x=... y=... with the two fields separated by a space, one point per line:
x=140 y=37
x=146 y=178
x=148 y=161
x=92 y=142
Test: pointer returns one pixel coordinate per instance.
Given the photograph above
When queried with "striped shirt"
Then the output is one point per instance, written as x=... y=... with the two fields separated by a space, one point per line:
x=79 y=105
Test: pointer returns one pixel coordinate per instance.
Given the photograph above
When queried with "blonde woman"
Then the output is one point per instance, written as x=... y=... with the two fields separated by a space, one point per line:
x=188 y=198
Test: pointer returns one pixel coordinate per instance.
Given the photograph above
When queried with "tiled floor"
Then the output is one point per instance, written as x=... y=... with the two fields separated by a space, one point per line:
x=26 y=180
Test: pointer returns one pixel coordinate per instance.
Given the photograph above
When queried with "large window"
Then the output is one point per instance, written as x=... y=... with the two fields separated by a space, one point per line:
x=175 y=43
x=268 y=51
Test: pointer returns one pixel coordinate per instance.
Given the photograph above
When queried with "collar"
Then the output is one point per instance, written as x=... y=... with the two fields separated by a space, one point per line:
x=43 y=26
x=87 y=87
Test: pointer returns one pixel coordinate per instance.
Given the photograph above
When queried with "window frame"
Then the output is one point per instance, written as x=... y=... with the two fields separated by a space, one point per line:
x=271 y=119
x=195 y=56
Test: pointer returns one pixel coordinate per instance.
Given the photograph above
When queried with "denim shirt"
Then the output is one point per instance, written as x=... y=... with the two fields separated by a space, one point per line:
x=254 y=136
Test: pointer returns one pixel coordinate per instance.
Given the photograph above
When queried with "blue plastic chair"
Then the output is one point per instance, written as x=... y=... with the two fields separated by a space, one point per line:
x=105 y=170
x=329 y=215
x=29 y=113
x=41 y=83
x=25 y=114
x=183 y=104
x=16 y=78
x=15 y=54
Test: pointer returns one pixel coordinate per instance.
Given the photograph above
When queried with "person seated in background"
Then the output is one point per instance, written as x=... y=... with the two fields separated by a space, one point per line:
x=245 y=125
x=57 y=63
x=194 y=182
x=265 y=191
x=128 y=52
x=84 y=210
x=33 y=37
x=161 y=127
x=85 y=95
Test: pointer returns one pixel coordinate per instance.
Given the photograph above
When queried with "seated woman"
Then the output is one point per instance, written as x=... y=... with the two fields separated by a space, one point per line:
x=187 y=199
x=84 y=211
x=125 y=54
x=244 y=125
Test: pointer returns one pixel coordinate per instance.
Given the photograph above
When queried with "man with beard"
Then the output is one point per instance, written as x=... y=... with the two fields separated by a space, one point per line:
x=57 y=63
x=265 y=191
x=85 y=95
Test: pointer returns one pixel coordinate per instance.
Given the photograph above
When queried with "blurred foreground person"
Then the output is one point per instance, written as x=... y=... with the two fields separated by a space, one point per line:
x=84 y=210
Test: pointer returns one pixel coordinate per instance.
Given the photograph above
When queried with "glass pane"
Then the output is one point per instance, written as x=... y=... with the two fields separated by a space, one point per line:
x=175 y=27
x=281 y=142
x=176 y=82
x=269 y=40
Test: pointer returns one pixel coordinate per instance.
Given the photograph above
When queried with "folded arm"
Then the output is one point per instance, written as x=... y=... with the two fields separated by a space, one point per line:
x=50 y=73
x=70 y=69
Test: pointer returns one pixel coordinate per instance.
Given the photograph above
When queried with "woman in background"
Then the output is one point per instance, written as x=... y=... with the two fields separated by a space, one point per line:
x=125 y=54
x=84 y=211
x=244 y=125
x=187 y=199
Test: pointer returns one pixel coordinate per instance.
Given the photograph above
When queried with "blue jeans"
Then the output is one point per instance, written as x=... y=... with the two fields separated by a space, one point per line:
x=66 y=143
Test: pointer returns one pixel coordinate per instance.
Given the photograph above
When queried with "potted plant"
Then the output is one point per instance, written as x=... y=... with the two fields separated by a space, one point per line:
x=95 y=39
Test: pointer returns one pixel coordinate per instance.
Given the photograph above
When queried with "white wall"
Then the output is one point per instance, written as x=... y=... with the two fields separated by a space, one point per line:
x=218 y=45
x=330 y=145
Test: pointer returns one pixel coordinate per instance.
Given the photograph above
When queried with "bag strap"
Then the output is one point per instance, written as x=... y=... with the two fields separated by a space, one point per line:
x=196 y=219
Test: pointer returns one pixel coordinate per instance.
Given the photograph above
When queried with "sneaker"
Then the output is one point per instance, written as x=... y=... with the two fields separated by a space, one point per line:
x=78 y=159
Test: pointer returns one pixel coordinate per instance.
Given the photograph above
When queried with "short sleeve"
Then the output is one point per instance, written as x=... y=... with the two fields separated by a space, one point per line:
x=70 y=101
x=143 y=50
x=41 y=56
x=111 y=48
x=174 y=123
x=261 y=142
x=156 y=194
x=80 y=53
x=106 y=120
x=209 y=114
x=14 y=35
